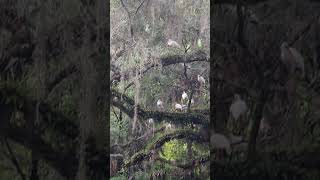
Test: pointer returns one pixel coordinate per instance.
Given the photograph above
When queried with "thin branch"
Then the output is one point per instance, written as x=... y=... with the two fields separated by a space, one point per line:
x=125 y=146
x=126 y=105
x=140 y=7
x=14 y=160
x=189 y=165
x=114 y=112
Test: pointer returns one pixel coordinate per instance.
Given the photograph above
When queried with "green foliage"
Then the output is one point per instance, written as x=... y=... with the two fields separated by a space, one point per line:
x=121 y=177
x=174 y=150
x=118 y=129
x=141 y=175
x=152 y=28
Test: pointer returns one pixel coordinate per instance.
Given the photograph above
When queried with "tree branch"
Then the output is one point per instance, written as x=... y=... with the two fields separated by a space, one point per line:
x=127 y=106
x=14 y=160
x=182 y=134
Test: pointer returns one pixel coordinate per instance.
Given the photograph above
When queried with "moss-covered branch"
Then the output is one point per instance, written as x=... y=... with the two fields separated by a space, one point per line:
x=157 y=144
x=167 y=61
x=127 y=106
x=189 y=165
x=139 y=139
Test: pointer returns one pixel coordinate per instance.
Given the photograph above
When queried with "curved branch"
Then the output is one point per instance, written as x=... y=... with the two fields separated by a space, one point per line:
x=127 y=106
x=51 y=119
x=139 y=139
x=14 y=160
x=182 y=134
x=167 y=61
x=189 y=165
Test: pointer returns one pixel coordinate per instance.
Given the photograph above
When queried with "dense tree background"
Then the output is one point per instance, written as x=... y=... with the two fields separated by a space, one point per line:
x=54 y=89
x=55 y=98
x=281 y=127
x=144 y=69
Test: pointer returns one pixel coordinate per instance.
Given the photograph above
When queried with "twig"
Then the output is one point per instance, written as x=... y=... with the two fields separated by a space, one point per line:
x=14 y=160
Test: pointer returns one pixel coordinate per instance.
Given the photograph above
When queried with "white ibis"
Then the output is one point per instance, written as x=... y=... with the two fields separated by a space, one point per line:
x=147 y=28
x=178 y=106
x=150 y=121
x=238 y=107
x=192 y=101
x=168 y=126
x=201 y=79
x=160 y=104
x=220 y=142
x=184 y=95
x=173 y=43
x=115 y=99
x=291 y=58
x=199 y=43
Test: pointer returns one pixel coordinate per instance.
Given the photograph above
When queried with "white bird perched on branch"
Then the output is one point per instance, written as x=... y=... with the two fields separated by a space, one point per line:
x=173 y=43
x=160 y=104
x=220 y=142
x=292 y=58
x=178 y=106
x=192 y=101
x=151 y=122
x=184 y=95
x=201 y=79
x=168 y=126
x=115 y=99
x=238 y=107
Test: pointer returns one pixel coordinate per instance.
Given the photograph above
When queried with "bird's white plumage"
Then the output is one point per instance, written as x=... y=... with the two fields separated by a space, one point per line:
x=150 y=120
x=184 y=95
x=172 y=43
x=151 y=125
x=201 y=79
x=238 y=107
x=159 y=104
x=192 y=101
x=168 y=126
x=178 y=106
x=219 y=141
